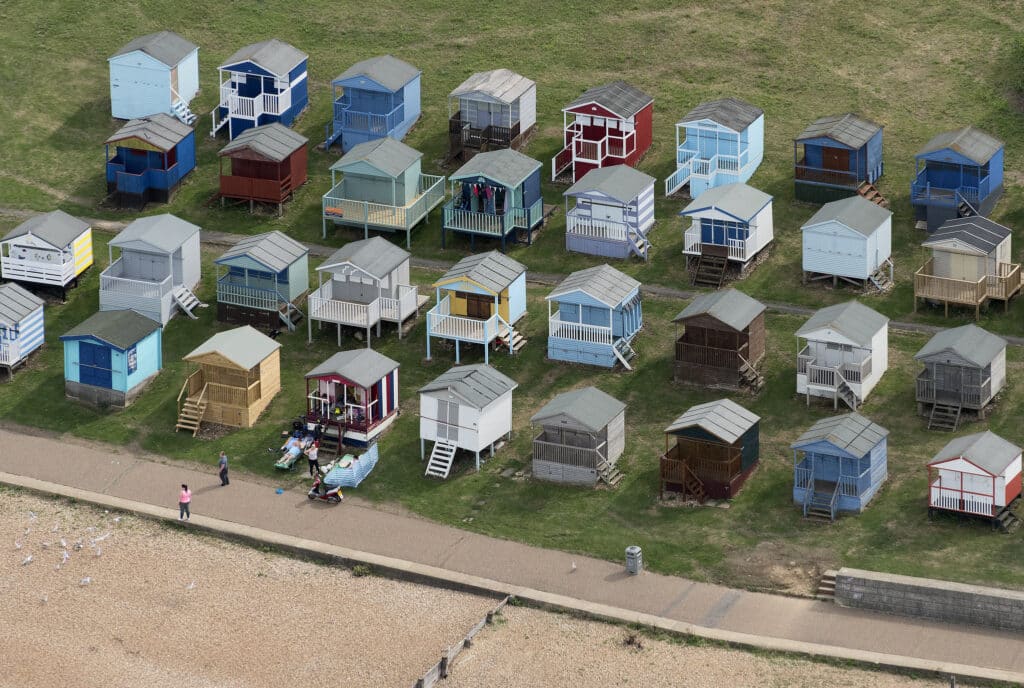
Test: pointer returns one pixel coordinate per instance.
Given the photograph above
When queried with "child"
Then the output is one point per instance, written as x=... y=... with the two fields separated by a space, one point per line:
x=184 y=502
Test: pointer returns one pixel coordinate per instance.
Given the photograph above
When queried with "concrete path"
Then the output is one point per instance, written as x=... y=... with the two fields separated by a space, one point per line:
x=714 y=611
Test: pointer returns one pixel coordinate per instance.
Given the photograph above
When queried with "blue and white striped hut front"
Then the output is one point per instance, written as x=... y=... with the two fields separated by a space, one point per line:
x=21 y=324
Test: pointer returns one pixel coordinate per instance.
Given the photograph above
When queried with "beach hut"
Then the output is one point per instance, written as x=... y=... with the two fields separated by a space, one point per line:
x=352 y=396
x=978 y=475
x=593 y=316
x=52 y=249
x=21 y=325
x=491 y=110
x=374 y=99
x=723 y=341
x=260 y=281
x=152 y=155
x=381 y=187
x=838 y=465
x=964 y=370
x=970 y=265
x=716 y=448
x=728 y=223
x=496 y=195
x=958 y=173
x=265 y=164
x=466 y=407
x=583 y=434
x=612 y=213
x=850 y=240
x=153 y=74
x=479 y=301
x=608 y=125
x=362 y=284
x=111 y=357
x=261 y=83
x=157 y=269
x=845 y=353
x=718 y=142
x=237 y=375
x=836 y=157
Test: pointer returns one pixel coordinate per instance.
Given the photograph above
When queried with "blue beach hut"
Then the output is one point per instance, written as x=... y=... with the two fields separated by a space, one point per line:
x=152 y=155
x=373 y=99
x=152 y=74
x=21 y=325
x=613 y=212
x=836 y=157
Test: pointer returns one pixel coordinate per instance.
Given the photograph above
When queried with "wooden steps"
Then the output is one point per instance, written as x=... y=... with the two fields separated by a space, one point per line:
x=710 y=271
x=751 y=378
x=944 y=417
x=693 y=487
x=187 y=301
x=881 y=277
x=826 y=591
x=638 y=244
x=624 y=352
x=608 y=474
x=1007 y=521
x=191 y=415
x=846 y=393
x=964 y=209
x=511 y=339
x=442 y=456
x=183 y=113
x=871 y=193
x=290 y=316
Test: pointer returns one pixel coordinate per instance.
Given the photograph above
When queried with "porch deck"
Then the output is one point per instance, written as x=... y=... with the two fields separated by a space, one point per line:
x=55 y=274
x=950 y=499
x=340 y=209
x=1001 y=287
x=323 y=307
x=601 y=152
x=462 y=136
x=255 y=188
x=440 y=323
x=966 y=395
x=579 y=332
x=692 y=354
x=568 y=455
x=818 y=373
x=492 y=224
x=805 y=173
x=741 y=250
x=923 y=192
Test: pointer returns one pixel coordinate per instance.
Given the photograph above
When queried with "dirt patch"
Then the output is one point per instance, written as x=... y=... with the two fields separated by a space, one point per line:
x=779 y=567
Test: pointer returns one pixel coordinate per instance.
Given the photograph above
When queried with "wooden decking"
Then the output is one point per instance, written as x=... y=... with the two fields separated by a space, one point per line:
x=340 y=209
x=1002 y=286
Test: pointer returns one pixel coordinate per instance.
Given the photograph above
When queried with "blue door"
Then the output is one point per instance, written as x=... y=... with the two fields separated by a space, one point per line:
x=94 y=365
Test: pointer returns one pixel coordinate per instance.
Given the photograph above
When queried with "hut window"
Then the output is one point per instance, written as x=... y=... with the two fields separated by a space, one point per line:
x=833 y=346
x=133 y=360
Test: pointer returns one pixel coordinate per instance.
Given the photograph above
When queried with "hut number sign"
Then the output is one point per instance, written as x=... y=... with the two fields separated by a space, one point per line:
x=133 y=360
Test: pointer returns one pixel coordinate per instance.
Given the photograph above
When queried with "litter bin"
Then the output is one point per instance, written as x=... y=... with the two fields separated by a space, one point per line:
x=634 y=559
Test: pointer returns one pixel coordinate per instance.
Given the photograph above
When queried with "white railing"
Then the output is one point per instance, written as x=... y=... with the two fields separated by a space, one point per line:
x=594 y=229
x=57 y=274
x=323 y=307
x=248 y=297
x=111 y=281
x=397 y=310
x=6 y=357
x=440 y=323
x=955 y=500
x=739 y=249
x=580 y=332
x=824 y=375
x=473 y=221
x=339 y=208
x=253 y=107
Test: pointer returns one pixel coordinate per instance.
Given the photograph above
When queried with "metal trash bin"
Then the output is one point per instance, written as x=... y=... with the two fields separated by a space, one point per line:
x=634 y=559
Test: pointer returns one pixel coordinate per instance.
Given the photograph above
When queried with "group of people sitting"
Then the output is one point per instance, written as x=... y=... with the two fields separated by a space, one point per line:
x=302 y=441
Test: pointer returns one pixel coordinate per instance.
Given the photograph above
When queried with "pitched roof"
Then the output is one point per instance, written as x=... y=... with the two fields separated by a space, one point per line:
x=729 y=306
x=589 y=407
x=969 y=342
x=160 y=131
x=163 y=233
x=602 y=282
x=165 y=46
x=271 y=141
x=16 y=302
x=244 y=346
x=386 y=70
x=362 y=366
x=492 y=270
x=274 y=250
x=978 y=232
x=849 y=129
x=986 y=450
x=120 y=329
x=375 y=256
x=503 y=85
x=731 y=113
x=618 y=97
x=973 y=144
x=274 y=55
x=851 y=432
x=738 y=199
x=855 y=212
x=618 y=182
x=510 y=167
x=477 y=384
x=56 y=228
x=852 y=319
x=725 y=419
x=388 y=155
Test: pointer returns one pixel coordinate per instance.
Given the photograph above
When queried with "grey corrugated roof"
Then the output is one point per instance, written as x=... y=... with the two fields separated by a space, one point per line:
x=375 y=256
x=986 y=450
x=729 y=306
x=619 y=182
x=160 y=130
x=121 y=329
x=503 y=85
x=16 y=302
x=164 y=232
x=852 y=432
x=492 y=270
x=973 y=144
x=274 y=55
x=725 y=419
x=849 y=129
x=979 y=232
x=855 y=212
x=510 y=167
x=732 y=113
x=969 y=342
x=477 y=384
x=165 y=46
x=56 y=228
x=603 y=282
x=386 y=70
x=272 y=141
x=737 y=199
x=852 y=319
x=362 y=366
x=589 y=407
x=618 y=96
x=388 y=155
x=244 y=346
x=275 y=250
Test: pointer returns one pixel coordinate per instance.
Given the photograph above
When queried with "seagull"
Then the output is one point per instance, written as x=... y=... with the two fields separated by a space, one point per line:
x=44 y=599
x=65 y=557
x=85 y=581
x=27 y=560
x=63 y=543
x=572 y=569
x=27 y=531
x=46 y=545
x=31 y=515
x=17 y=545
x=117 y=519
x=56 y=567
x=191 y=586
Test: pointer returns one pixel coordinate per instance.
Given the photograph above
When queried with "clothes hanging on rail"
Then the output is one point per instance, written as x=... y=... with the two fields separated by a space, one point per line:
x=466 y=202
x=499 y=200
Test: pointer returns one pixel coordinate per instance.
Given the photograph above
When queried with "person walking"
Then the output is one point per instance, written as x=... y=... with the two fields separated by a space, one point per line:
x=223 y=464
x=314 y=462
x=184 y=503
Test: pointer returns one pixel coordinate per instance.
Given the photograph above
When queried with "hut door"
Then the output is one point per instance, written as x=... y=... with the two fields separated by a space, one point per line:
x=94 y=365
x=478 y=306
x=174 y=84
x=835 y=159
x=447 y=421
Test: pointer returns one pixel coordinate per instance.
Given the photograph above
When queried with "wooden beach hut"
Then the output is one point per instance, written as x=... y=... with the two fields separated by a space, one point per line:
x=850 y=240
x=261 y=281
x=612 y=213
x=373 y=99
x=152 y=155
x=265 y=164
x=52 y=249
x=21 y=326
x=152 y=74
x=976 y=475
x=489 y=111
x=836 y=157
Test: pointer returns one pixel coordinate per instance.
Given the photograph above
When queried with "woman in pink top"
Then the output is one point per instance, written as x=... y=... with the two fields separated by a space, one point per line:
x=184 y=500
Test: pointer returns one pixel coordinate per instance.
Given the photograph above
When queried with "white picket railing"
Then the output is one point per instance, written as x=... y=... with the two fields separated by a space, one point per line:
x=580 y=332
x=440 y=323
x=112 y=282
x=955 y=500
x=739 y=249
x=473 y=221
x=248 y=297
x=323 y=307
x=594 y=229
x=397 y=310
x=57 y=274
x=253 y=107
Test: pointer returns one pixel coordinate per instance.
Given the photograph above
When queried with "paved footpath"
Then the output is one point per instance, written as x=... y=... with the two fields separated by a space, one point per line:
x=545 y=575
